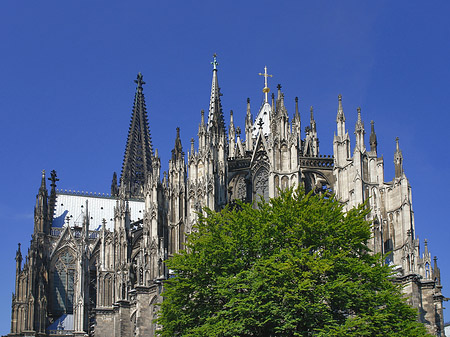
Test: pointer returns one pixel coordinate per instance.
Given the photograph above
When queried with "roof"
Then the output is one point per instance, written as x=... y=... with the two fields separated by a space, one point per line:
x=100 y=207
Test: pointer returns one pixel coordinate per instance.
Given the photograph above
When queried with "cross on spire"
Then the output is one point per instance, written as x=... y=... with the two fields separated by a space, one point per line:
x=266 y=88
x=139 y=81
x=53 y=178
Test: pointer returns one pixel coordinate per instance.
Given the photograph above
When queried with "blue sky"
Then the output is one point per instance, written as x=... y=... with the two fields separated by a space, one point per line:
x=66 y=89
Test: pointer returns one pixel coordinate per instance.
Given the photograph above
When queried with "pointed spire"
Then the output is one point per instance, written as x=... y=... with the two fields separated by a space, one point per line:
x=43 y=186
x=137 y=162
x=41 y=208
x=52 y=199
x=202 y=119
x=312 y=121
x=215 y=116
x=373 y=138
x=398 y=160
x=177 y=152
x=340 y=113
x=114 y=187
x=192 y=146
x=296 y=121
x=18 y=259
x=359 y=132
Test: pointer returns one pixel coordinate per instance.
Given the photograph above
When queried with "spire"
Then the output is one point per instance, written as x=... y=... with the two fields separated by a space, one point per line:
x=360 y=131
x=177 y=152
x=137 y=162
x=52 y=199
x=340 y=119
x=398 y=160
x=312 y=121
x=18 y=259
x=373 y=138
x=296 y=121
x=340 y=113
x=41 y=208
x=215 y=117
x=248 y=128
x=114 y=188
x=231 y=137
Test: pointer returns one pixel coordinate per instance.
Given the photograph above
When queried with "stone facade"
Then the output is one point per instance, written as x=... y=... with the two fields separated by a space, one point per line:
x=101 y=274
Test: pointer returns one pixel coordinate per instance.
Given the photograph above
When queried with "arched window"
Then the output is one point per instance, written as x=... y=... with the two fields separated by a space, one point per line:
x=262 y=184
x=63 y=283
x=427 y=271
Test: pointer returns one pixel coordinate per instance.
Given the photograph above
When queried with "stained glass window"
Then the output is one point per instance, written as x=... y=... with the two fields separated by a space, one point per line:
x=63 y=284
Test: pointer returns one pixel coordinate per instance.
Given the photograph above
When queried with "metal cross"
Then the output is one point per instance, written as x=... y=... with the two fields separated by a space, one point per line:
x=266 y=88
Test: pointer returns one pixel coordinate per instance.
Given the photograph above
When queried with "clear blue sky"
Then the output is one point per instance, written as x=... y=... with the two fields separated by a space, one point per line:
x=66 y=89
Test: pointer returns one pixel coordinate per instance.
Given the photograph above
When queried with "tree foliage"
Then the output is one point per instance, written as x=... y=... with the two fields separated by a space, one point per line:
x=295 y=266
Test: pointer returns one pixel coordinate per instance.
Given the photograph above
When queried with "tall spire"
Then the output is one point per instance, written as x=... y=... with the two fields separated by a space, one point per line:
x=215 y=116
x=137 y=162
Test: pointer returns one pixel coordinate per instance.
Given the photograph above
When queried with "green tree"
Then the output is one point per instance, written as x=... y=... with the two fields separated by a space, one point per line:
x=295 y=266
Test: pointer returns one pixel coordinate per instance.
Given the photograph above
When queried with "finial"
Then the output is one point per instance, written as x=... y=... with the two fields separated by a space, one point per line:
x=296 y=99
x=248 y=100
x=139 y=81
x=53 y=178
x=266 y=87
x=396 y=143
x=279 y=86
x=178 y=132
x=192 y=145
x=311 y=110
x=340 y=98
x=43 y=173
x=214 y=62
x=426 y=242
x=238 y=131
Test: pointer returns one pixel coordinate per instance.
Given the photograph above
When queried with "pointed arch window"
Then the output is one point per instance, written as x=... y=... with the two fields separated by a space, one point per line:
x=262 y=183
x=63 y=284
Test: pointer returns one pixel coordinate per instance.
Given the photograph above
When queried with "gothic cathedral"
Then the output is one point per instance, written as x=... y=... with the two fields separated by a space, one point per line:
x=95 y=265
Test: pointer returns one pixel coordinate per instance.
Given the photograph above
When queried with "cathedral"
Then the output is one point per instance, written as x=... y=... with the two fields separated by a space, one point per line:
x=95 y=265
